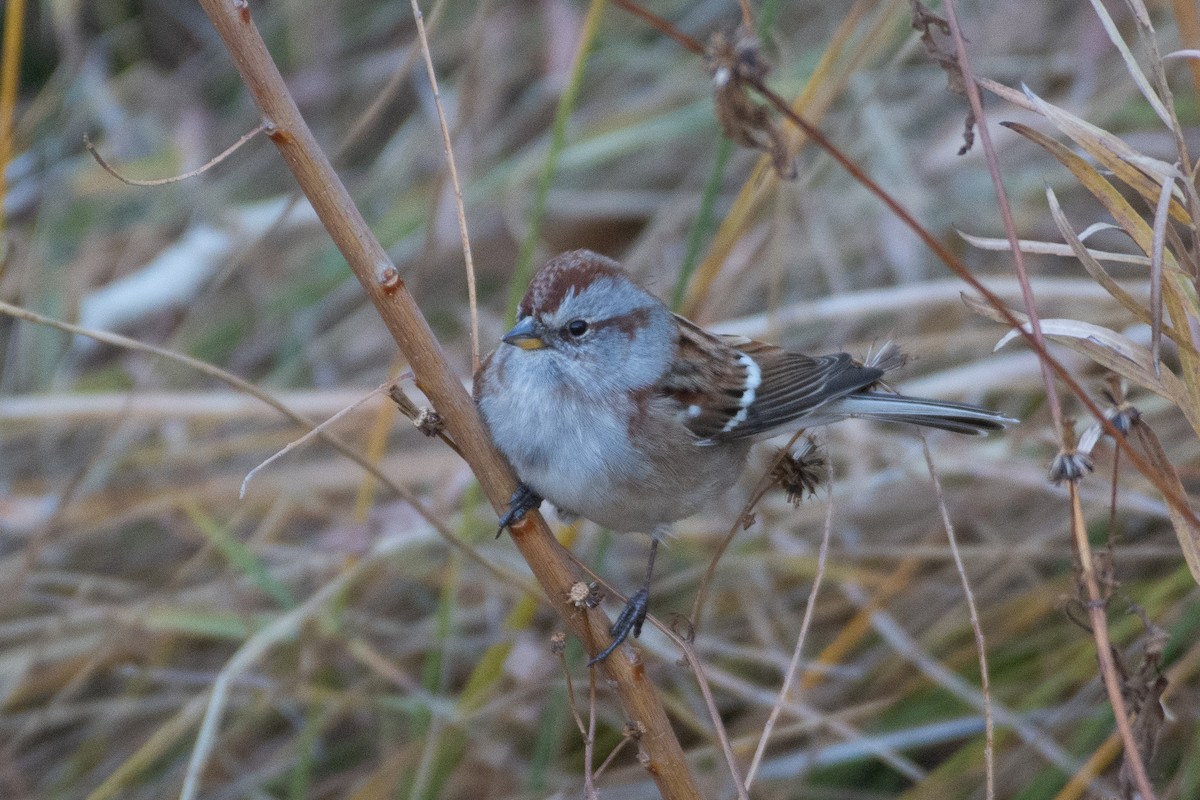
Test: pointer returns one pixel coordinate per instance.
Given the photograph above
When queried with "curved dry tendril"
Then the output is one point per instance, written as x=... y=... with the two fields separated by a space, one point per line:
x=111 y=170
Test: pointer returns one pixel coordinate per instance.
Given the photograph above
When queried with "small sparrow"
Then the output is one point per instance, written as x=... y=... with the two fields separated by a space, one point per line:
x=615 y=409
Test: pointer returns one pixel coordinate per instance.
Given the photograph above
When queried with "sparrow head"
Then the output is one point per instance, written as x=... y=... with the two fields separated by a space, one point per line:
x=584 y=319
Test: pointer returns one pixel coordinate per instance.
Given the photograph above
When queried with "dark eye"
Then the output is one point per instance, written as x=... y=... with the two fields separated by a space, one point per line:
x=577 y=327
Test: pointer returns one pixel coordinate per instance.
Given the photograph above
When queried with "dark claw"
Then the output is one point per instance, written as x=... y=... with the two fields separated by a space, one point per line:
x=523 y=500
x=630 y=621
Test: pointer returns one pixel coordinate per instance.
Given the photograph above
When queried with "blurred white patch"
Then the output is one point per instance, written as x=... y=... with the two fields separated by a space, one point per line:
x=177 y=274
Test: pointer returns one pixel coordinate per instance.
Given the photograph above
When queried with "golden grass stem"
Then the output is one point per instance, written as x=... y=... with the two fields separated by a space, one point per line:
x=10 y=72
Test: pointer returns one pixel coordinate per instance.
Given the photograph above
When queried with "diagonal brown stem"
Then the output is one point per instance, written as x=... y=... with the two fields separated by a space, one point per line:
x=663 y=756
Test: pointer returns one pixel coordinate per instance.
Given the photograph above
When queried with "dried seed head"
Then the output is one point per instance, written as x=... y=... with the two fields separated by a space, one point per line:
x=1069 y=465
x=737 y=65
x=584 y=595
x=558 y=643
x=799 y=473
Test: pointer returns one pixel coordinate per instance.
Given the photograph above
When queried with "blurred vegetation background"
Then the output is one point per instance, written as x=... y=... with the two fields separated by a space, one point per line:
x=354 y=653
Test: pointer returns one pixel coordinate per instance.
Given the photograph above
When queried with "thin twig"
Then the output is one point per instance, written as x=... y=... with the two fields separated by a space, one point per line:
x=661 y=25
x=91 y=148
x=689 y=652
x=612 y=755
x=448 y=149
x=739 y=523
x=794 y=665
x=315 y=432
x=1108 y=668
x=747 y=14
x=989 y=725
x=1010 y=229
x=589 y=739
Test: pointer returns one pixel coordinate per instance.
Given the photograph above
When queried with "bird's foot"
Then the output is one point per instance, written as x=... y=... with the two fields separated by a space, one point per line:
x=523 y=501
x=630 y=621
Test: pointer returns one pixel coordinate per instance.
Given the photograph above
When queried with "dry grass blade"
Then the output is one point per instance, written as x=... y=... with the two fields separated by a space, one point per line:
x=1179 y=294
x=1186 y=532
x=1143 y=174
x=1131 y=66
x=1159 y=232
x=1104 y=346
x=1088 y=259
x=1037 y=247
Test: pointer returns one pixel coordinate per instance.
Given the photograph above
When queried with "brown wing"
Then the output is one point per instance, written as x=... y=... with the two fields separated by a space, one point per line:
x=734 y=388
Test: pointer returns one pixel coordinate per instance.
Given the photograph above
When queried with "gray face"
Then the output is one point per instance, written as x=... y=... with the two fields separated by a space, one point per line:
x=601 y=333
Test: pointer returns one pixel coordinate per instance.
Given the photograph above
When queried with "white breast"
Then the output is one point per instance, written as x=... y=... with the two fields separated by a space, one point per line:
x=576 y=450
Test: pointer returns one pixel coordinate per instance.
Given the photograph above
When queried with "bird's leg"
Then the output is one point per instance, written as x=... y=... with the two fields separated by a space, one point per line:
x=523 y=500
x=633 y=614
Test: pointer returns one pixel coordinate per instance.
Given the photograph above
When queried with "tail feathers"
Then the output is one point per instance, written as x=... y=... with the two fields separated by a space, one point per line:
x=956 y=417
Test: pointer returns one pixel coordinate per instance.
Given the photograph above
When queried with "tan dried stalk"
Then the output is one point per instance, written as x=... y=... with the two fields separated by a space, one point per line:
x=662 y=755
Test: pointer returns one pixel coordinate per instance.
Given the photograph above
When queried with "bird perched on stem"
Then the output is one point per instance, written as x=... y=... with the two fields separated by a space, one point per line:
x=615 y=409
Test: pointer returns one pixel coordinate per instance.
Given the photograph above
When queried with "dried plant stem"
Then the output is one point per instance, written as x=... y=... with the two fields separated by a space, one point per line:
x=1010 y=229
x=794 y=665
x=549 y=561
x=661 y=25
x=989 y=724
x=947 y=257
x=689 y=653
x=212 y=162
x=448 y=148
x=1095 y=604
x=760 y=488
x=1108 y=668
